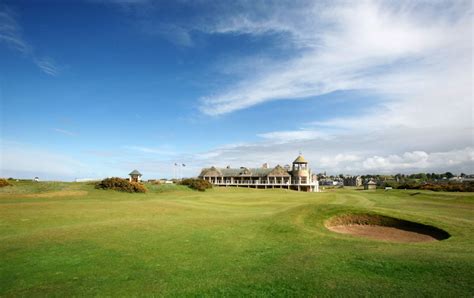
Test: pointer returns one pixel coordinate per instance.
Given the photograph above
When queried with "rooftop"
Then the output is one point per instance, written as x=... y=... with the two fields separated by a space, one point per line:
x=135 y=172
x=300 y=159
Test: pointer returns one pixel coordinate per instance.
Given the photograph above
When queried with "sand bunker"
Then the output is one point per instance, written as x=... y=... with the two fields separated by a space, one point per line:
x=385 y=228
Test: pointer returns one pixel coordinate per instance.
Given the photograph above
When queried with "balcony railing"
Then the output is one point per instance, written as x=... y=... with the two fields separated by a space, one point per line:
x=262 y=183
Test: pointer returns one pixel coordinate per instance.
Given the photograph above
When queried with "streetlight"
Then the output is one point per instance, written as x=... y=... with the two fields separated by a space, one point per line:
x=178 y=173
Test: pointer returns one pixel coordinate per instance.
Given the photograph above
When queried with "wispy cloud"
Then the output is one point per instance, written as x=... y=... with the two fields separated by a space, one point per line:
x=404 y=53
x=379 y=46
x=10 y=32
x=11 y=35
x=155 y=150
x=123 y=2
x=171 y=32
x=293 y=135
x=141 y=14
x=65 y=132
x=48 y=66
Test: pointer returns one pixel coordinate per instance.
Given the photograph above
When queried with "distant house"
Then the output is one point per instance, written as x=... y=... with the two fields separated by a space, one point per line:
x=352 y=181
x=135 y=176
x=370 y=185
x=36 y=179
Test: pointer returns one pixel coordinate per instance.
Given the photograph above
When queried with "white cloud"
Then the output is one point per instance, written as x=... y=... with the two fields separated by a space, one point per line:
x=363 y=45
x=11 y=35
x=415 y=57
x=337 y=156
x=420 y=160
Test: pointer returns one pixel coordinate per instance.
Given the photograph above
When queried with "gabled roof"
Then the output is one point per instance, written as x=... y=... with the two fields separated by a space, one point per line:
x=135 y=172
x=279 y=171
x=260 y=172
x=236 y=172
x=300 y=159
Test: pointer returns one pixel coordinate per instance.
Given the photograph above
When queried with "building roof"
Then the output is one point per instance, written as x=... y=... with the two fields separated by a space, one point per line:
x=372 y=182
x=135 y=172
x=300 y=159
x=245 y=172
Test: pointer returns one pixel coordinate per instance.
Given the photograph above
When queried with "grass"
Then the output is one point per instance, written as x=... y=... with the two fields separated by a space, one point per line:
x=69 y=239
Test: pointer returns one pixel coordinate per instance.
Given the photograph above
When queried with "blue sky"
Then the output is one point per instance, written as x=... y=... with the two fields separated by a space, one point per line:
x=97 y=88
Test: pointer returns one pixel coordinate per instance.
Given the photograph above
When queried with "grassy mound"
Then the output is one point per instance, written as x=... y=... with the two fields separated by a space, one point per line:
x=383 y=221
x=120 y=184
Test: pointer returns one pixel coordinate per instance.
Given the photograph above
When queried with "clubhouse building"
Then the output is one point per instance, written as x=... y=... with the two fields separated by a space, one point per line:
x=298 y=177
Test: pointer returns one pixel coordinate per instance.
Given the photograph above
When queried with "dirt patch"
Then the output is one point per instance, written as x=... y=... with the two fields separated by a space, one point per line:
x=385 y=228
x=61 y=193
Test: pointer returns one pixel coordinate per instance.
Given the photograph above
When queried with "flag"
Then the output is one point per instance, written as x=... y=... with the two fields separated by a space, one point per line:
x=184 y=165
x=175 y=164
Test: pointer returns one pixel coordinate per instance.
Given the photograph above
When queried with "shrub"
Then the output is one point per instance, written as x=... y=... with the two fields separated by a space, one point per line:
x=197 y=184
x=393 y=185
x=469 y=186
x=448 y=186
x=120 y=184
x=187 y=181
x=4 y=182
x=408 y=186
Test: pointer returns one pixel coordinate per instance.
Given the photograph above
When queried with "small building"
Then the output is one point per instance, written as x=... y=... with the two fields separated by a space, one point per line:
x=36 y=179
x=135 y=176
x=370 y=185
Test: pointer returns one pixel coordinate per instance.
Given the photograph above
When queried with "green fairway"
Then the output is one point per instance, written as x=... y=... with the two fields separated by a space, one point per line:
x=67 y=239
